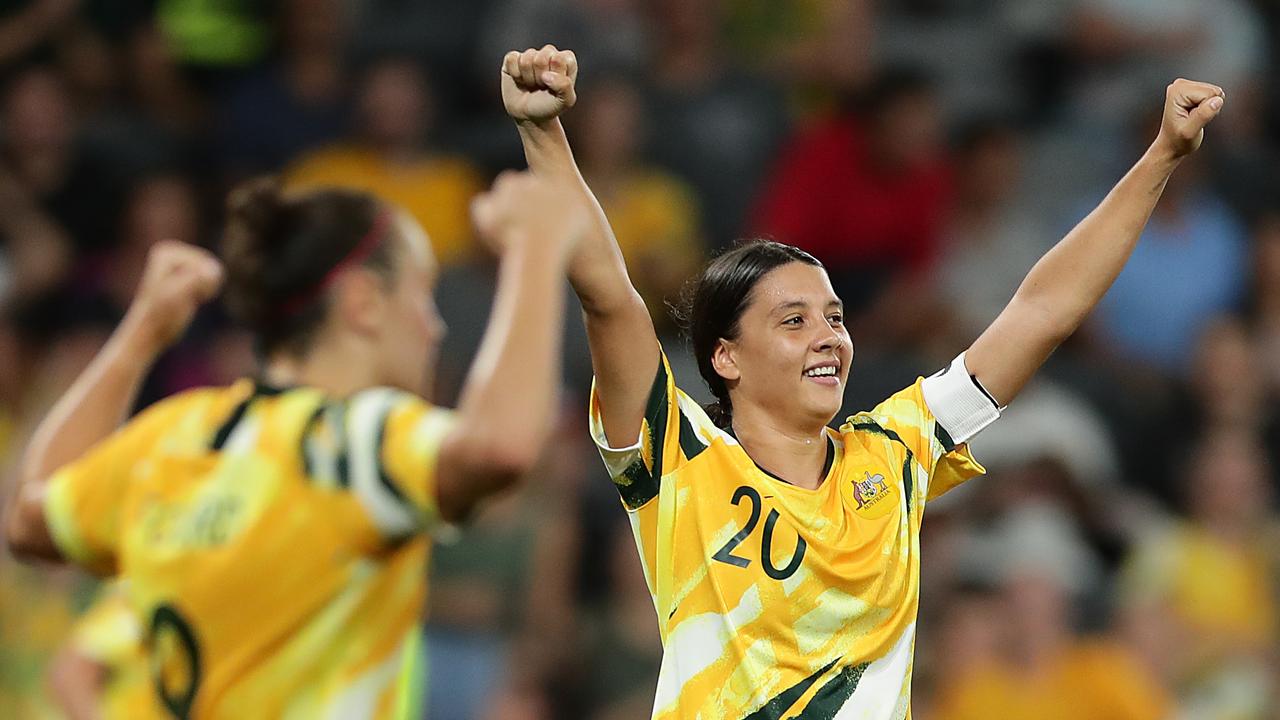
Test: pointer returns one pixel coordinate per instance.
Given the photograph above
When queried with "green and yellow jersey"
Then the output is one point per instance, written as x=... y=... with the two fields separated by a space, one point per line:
x=274 y=542
x=775 y=601
x=110 y=634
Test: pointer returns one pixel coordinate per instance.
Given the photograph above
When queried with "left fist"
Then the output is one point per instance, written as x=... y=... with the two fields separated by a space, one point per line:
x=538 y=85
x=177 y=280
x=1188 y=107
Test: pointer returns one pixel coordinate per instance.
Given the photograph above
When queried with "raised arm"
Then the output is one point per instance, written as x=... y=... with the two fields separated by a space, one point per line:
x=1064 y=286
x=537 y=86
x=508 y=406
x=177 y=279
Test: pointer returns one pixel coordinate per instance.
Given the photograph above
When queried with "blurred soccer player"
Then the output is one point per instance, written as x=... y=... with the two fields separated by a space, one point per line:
x=101 y=672
x=783 y=556
x=274 y=532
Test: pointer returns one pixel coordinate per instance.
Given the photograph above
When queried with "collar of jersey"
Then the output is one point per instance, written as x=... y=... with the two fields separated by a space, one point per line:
x=827 y=467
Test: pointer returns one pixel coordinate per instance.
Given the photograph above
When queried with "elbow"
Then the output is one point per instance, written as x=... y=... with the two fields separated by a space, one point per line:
x=21 y=535
x=1054 y=319
x=498 y=463
x=625 y=303
x=25 y=532
x=506 y=464
x=483 y=466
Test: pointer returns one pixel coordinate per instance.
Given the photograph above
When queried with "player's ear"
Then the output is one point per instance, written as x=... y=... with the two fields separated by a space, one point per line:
x=722 y=359
x=361 y=301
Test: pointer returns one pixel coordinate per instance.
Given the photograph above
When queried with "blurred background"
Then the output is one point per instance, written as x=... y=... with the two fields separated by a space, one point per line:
x=1121 y=560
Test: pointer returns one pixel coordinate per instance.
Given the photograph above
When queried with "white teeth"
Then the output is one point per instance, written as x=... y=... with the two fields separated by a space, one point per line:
x=822 y=371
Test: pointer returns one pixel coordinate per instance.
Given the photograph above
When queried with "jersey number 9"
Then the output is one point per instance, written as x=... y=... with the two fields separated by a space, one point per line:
x=175 y=660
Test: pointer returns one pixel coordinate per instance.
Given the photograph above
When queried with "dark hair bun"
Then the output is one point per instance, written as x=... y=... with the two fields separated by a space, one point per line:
x=255 y=213
x=278 y=248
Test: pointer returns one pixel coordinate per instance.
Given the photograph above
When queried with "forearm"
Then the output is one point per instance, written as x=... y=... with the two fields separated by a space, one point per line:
x=624 y=344
x=1064 y=286
x=515 y=378
x=597 y=270
x=90 y=410
x=78 y=684
x=1072 y=277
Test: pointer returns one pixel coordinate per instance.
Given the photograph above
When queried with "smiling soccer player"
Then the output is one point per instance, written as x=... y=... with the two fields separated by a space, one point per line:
x=784 y=556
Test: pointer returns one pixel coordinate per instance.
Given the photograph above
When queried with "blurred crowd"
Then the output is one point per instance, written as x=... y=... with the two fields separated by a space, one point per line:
x=1121 y=559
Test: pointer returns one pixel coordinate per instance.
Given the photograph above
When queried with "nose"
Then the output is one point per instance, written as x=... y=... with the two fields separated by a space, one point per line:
x=826 y=339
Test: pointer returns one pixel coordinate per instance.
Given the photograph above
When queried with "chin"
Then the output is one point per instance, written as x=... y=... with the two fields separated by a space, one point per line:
x=826 y=410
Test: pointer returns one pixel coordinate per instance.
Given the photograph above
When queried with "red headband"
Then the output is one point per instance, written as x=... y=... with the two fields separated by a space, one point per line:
x=358 y=254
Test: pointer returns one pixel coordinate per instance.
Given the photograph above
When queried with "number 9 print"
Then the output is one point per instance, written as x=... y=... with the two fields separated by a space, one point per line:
x=175 y=660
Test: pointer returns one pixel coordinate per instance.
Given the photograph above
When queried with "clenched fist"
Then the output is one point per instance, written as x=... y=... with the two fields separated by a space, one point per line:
x=538 y=85
x=1188 y=107
x=177 y=280
x=525 y=209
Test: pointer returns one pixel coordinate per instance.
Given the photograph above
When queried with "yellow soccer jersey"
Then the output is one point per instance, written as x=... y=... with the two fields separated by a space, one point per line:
x=273 y=541
x=111 y=635
x=775 y=601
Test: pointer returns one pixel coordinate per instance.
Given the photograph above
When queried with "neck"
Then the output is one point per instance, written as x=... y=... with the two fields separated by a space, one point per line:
x=795 y=455
x=338 y=369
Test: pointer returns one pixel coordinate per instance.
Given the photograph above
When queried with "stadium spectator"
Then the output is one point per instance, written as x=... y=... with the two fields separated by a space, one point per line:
x=991 y=236
x=26 y=28
x=1264 y=302
x=39 y=150
x=865 y=192
x=1212 y=577
x=1041 y=667
x=654 y=215
x=295 y=103
x=1187 y=269
x=610 y=34
x=1046 y=673
x=710 y=122
x=391 y=157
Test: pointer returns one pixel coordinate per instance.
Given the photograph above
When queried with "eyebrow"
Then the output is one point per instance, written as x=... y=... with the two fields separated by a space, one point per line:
x=801 y=305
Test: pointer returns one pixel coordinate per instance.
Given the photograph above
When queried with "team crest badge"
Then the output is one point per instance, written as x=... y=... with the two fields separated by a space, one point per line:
x=872 y=495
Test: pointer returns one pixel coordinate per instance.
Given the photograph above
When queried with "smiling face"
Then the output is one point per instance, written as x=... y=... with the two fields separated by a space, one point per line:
x=792 y=352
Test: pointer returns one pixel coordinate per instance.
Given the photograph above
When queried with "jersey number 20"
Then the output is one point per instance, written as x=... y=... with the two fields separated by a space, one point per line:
x=725 y=554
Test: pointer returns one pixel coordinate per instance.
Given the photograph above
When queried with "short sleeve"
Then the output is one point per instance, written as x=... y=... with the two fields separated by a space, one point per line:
x=109 y=632
x=393 y=441
x=668 y=439
x=906 y=417
x=85 y=499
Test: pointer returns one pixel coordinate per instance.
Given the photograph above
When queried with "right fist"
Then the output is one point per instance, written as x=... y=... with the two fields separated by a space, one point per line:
x=177 y=280
x=1188 y=107
x=524 y=209
x=538 y=85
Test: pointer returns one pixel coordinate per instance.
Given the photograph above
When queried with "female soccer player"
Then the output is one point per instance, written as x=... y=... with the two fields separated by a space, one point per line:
x=783 y=556
x=274 y=532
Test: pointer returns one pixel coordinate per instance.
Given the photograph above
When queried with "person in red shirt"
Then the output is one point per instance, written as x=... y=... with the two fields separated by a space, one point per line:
x=865 y=191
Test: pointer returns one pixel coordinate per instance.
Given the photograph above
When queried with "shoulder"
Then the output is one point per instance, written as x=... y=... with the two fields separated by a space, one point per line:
x=197 y=404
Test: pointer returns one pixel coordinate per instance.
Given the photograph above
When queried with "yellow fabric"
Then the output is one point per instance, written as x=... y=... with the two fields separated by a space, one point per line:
x=1094 y=680
x=784 y=630
x=437 y=191
x=110 y=633
x=279 y=574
